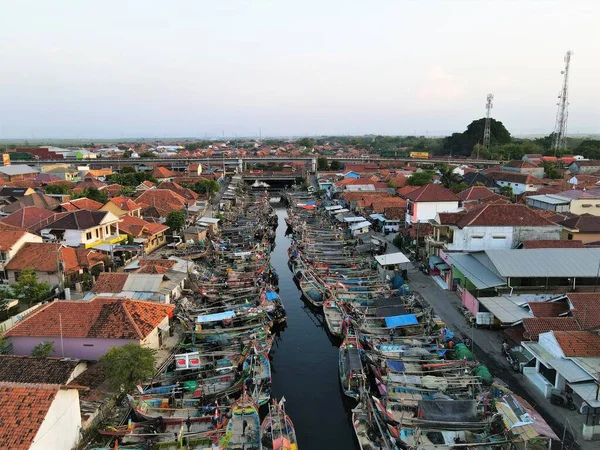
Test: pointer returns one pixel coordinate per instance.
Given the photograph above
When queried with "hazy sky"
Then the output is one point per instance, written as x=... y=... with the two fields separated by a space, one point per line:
x=186 y=68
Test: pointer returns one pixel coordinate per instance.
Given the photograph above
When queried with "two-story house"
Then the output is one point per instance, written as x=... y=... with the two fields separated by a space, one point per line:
x=487 y=227
x=424 y=203
x=85 y=228
x=518 y=182
x=150 y=235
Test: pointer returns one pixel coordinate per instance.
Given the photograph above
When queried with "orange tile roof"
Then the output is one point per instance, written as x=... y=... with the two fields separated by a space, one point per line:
x=164 y=200
x=432 y=193
x=137 y=227
x=578 y=343
x=163 y=172
x=28 y=257
x=29 y=217
x=10 y=236
x=475 y=193
x=83 y=203
x=110 y=282
x=177 y=188
x=23 y=409
x=100 y=318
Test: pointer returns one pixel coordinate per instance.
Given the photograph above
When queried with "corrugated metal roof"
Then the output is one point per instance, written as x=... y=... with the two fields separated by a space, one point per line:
x=143 y=282
x=475 y=271
x=550 y=199
x=546 y=262
x=505 y=310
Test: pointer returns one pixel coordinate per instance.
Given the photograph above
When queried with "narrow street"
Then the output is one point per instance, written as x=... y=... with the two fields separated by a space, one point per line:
x=487 y=345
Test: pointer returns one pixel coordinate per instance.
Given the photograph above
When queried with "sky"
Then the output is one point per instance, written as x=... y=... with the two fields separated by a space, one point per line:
x=110 y=69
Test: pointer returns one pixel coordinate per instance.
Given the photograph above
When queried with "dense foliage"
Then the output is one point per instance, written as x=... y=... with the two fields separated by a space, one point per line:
x=126 y=366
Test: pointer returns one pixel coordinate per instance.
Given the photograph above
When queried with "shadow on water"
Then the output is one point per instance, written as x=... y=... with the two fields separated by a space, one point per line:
x=305 y=365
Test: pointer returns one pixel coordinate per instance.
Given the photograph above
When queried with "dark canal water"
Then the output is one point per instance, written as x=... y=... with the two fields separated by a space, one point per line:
x=305 y=366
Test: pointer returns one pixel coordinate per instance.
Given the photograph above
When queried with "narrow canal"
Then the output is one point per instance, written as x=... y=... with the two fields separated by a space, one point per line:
x=305 y=365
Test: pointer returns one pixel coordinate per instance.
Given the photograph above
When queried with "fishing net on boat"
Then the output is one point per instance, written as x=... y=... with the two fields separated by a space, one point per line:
x=448 y=410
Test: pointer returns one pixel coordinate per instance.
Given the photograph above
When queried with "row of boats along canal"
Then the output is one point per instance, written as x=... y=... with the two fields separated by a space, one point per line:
x=415 y=383
x=209 y=394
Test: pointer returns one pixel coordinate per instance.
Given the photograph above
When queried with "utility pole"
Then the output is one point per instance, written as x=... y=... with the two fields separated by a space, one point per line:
x=560 y=128
x=487 y=132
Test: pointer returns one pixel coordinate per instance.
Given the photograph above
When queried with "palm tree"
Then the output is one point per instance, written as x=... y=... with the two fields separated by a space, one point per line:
x=448 y=178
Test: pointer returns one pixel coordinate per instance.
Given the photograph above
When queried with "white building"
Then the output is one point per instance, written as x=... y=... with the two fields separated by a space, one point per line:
x=424 y=203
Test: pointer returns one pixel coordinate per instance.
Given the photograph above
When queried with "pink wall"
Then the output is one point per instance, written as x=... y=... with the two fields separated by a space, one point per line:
x=74 y=347
x=470 y=302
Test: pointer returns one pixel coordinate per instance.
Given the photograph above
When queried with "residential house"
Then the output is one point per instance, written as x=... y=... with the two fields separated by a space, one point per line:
x=524 y=167
x=144 y=186
x=585 y=228
x=186 y=193
x=121 y=206
x=13 y=194
x=158 y=286
x=479 y=178
x=552 y=243
x=158 y=203
x=584 y=166
x=150 y=235
x=37 y=200
x=112 y=190
x=580 y=201
x=33 y=370
x=88 y=329
x=489 y=226
x=59 y=266
x=567 y=360
x=549 y=202
x=86 y=229
x=89 y=182
x=66 y=173
x=30 y=218
x=475 y=195
x=518 y=182
x=533 y=158
x=195 y=169
x=11 y=241
x=163 y=174
x=17 y=172
x=39 y=416
x=424 y=203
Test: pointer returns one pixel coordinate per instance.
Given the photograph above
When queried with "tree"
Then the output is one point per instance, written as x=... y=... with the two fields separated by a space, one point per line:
x=58 y=188
x=43 y=350
x=175 y=220
x=590 y=148
x=464 y=143
x=322 y=163
x=506 y=191
x=147 y=155
x=127 y=154
x=447 y=177
x=335 y=165
x=205 y=187
x=29 y=288
x=306 y=142
x=420 y=178
x=128 y=365
x=93 y=194
x=550 y=171
x=127 y=191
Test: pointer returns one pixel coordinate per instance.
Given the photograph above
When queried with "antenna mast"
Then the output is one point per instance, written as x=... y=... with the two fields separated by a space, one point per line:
x=560 y=128
x=488 y=121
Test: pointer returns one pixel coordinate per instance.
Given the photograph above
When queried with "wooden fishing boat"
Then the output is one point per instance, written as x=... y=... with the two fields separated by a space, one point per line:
x=277 y=429
x=258 y=369
x=243 y=429
x=350 y=365
x=334 y=316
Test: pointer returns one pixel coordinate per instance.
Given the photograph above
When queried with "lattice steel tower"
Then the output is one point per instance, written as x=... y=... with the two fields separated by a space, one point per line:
x=560 y=129
x=487 y=132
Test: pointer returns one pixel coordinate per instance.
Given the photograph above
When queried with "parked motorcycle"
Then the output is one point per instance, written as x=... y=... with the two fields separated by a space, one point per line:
x=564 y=400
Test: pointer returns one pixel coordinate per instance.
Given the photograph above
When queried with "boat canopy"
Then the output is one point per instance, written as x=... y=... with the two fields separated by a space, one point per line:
x=215 y=317
x=401 y=321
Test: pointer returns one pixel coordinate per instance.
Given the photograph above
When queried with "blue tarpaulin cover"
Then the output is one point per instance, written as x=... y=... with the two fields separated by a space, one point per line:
x=215 y=317
x=271 y=295
x=396 y=366
x=401 y=321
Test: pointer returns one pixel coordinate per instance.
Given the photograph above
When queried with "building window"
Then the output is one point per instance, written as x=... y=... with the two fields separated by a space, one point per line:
x=88 y=235
x=498 y=237
x=3 y=256
x=477 y=237
x=88 y=345
x=97 y=233
x=17 y=274
x=569 y=237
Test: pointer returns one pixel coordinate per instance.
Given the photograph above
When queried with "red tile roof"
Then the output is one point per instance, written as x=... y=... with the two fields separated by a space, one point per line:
x=517 y=163
x=163 y=200
x=534 y=326
x=432 y=193
x=578 y=343
x=508 y=215
x=163 y=172
x=79 y=220
x=82 y=203
x=475 y=193
x=137 y=227
x=30 y=218
x=548 y=243
x=405 y=190
x=30 y=369
x=548 y=309
x=177 y=188
x=585 y=223
x=23 y=409
x=125 y=204
x=9 y=236
x=28 y=257
x=586 y=309
x=513 y=177
x=100 y=318
x=110 y=282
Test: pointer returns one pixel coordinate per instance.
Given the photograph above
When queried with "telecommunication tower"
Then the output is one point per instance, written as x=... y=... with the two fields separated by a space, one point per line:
x=487 y=132
x=560 y=128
